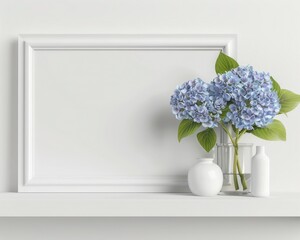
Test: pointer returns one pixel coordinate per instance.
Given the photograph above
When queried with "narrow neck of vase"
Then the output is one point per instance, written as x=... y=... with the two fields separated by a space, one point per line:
x=206 y=160
x=260 y=149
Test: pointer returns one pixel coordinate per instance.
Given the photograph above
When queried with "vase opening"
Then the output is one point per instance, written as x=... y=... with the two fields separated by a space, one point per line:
x=205 y=159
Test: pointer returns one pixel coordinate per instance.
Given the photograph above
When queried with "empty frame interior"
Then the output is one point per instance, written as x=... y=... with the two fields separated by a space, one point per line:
x=101 y=119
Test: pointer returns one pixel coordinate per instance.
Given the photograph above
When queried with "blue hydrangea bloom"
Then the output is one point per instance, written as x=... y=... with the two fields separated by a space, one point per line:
x=192 y=100
x=248 y=94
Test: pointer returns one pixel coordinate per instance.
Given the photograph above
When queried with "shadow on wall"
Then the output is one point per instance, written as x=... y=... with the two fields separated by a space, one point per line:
x=12 y=166
x=164 y=126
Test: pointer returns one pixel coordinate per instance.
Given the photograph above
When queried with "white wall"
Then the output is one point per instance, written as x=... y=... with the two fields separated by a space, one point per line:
x=268 y=37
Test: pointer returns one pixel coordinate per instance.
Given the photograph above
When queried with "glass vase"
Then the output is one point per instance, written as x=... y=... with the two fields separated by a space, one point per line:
x=235 y=162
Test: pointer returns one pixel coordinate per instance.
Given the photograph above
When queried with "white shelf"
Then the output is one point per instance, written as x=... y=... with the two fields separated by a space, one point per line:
x=145 y=205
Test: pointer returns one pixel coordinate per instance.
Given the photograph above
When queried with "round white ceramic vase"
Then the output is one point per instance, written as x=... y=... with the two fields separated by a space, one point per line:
x=205 y=178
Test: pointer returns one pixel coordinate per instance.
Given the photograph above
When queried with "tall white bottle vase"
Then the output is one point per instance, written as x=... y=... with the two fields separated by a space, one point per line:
x=260 y=173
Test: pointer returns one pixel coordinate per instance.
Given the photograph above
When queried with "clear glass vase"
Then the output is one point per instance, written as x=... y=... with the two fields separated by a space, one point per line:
x=235 y=162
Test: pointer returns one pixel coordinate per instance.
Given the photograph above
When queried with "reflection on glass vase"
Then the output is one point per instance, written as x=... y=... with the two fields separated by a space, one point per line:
x=235 y=163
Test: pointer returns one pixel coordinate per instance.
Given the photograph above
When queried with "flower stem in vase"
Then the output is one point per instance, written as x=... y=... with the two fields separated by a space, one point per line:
x=235 y=161
x=236 y=166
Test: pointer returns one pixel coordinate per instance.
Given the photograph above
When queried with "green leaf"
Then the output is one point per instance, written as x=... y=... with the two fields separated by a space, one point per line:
x=288 y=100
x=224 y=112
x=276 y=86
x=207 y=139
x=275 y=131
x=225 y=63
x=186 y=128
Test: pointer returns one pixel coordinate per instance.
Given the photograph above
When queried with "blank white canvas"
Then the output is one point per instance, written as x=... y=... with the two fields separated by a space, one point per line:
x=102 y=121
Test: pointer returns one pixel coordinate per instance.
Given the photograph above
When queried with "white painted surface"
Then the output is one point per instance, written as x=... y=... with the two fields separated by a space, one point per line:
x=266 y=41
x=149 y=228
x=268 y=38
x=146 y=205
x=94 y=113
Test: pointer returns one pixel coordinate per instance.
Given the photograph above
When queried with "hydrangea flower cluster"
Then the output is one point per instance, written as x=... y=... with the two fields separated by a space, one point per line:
x=249 y=95
x=246 y=95
x=191 y=100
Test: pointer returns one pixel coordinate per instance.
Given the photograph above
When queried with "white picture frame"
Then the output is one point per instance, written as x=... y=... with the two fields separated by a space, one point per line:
x=33 y=58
